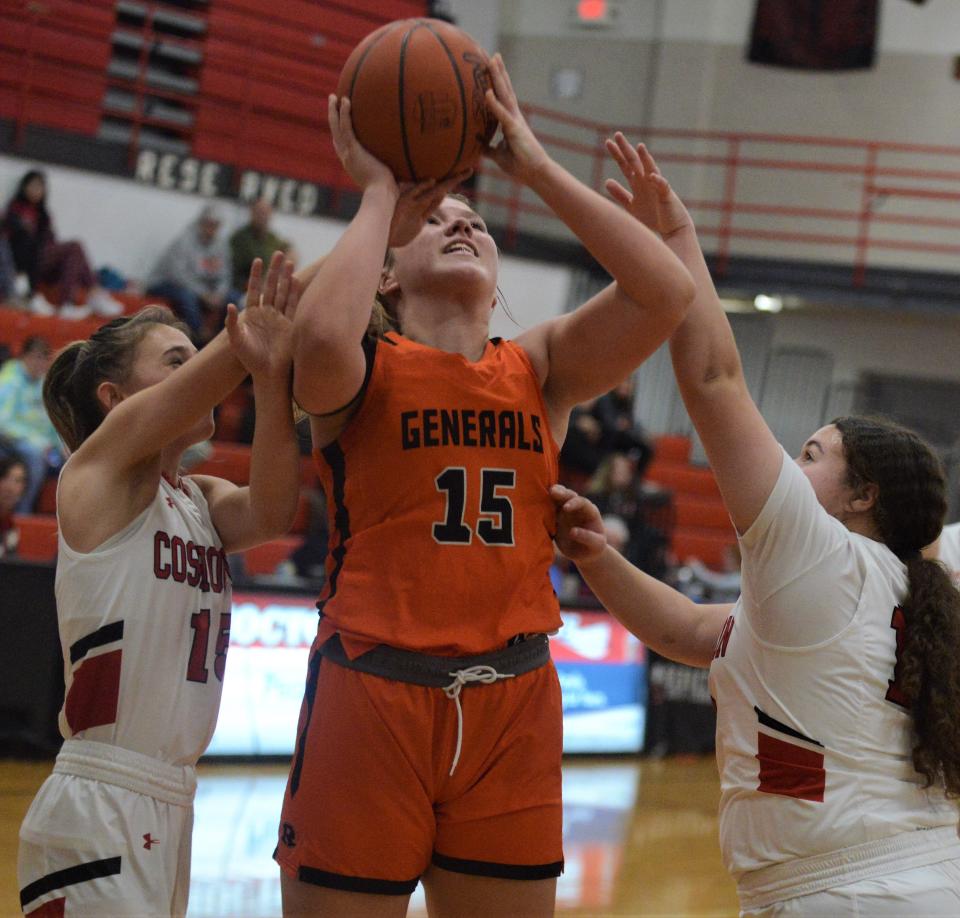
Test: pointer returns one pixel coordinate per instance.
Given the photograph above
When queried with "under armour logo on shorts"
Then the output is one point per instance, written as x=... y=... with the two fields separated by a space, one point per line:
x=287 y=835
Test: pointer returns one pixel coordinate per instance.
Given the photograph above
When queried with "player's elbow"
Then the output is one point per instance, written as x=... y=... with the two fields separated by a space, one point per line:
x=669 y=295
x=678 y=292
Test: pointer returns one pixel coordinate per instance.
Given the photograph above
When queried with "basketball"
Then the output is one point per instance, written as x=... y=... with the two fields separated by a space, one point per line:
x=416 y=90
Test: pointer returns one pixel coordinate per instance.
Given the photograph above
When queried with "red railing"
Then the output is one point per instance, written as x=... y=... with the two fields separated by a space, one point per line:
x=862 y=203
x=857 y=203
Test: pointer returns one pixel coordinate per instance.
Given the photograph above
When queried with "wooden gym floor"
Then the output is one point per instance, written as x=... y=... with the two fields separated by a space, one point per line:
x=640 y=838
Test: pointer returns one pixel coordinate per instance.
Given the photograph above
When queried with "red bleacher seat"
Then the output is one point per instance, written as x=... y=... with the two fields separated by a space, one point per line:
x=47 y=498
x=229 y=460
x=264 y=558
x=709 y=545
x=16 y=325
x=53 y=60
x=38 y=537
x=672 y=448
x=681 y=477
x=697 y=510
x=302 y=519
x=230 y=414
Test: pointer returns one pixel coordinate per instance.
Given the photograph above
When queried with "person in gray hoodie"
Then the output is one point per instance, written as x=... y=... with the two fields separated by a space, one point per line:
x=193 y=275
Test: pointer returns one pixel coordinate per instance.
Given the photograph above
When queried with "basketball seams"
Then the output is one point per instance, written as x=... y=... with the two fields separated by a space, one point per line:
x=463 y=93
x=403 y=112
x=356 y=72
x=415 y=107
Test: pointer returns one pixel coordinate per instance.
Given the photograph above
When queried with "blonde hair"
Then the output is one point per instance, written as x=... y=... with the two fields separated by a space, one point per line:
x=383 y=318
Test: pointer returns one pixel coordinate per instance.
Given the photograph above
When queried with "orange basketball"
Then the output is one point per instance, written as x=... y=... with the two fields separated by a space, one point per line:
x=416 y=90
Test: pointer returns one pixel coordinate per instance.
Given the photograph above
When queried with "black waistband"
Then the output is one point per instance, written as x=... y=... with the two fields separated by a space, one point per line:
x=437 y=672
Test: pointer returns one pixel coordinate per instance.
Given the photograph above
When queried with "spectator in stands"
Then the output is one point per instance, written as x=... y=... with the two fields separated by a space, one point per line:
x=619 y=430
x=37 y=254
x=8 y=271
x=13 y=482
x=599 y=428
x=25 y=430
x=255 y=240
x=194 y=275
x=615 y=489
x=580 y=455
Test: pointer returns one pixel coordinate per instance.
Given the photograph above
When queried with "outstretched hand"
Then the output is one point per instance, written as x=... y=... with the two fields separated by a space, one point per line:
x=361 y=165
x=519 y=153
x=650 y=198
x=580 y=533
x=416 y=203
x=261 y=336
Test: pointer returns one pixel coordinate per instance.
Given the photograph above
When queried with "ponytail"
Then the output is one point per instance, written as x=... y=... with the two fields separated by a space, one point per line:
x=909 y=511
x=929 y=672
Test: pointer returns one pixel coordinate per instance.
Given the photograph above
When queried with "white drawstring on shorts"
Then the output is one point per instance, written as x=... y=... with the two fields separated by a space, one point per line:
x=484 y=674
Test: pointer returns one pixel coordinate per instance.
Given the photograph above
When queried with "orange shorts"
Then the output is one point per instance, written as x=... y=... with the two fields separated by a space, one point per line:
x=370 y=803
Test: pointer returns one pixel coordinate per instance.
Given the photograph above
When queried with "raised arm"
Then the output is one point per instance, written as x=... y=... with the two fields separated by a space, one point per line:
x=114 y=473
x=587 y=352
x=664 y=619
x=264 y=509
x=335 y=308
x=743 y=453
x=138 y=427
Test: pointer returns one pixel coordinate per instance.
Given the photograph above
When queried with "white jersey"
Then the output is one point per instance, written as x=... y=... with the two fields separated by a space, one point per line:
x=144 y=625
x=949 y=549
x=813 y=740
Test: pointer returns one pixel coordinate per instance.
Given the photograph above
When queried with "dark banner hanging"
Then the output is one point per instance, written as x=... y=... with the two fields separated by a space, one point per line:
x=814 y=34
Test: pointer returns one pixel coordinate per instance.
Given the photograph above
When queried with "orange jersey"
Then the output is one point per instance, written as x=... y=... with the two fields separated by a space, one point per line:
x=437 y=497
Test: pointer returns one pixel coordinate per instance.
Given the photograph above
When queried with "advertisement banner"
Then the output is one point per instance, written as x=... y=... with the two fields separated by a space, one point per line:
x=602 y=670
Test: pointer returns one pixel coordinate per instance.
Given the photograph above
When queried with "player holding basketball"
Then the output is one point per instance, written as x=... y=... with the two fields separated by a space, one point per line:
x=143 y=592
x=429 y=742
x=837 y=672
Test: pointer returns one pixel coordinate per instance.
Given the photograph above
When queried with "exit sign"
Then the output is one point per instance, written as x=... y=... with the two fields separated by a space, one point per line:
x=594 y=13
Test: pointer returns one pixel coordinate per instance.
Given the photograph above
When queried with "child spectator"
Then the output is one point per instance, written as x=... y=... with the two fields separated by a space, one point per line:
x=13 y=482
x=25 y=430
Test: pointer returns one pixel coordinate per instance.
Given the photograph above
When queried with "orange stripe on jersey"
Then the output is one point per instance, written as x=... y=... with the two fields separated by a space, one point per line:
x=438 y=504
x=94 y=692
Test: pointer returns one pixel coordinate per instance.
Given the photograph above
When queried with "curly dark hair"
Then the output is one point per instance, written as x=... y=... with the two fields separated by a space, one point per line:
x=909 y=512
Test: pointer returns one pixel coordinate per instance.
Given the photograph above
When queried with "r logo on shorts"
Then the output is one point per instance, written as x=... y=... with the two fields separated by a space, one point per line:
x=288 y=835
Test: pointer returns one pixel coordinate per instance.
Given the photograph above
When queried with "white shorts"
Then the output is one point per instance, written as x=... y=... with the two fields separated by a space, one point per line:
x=930 y=891
x=94 y=849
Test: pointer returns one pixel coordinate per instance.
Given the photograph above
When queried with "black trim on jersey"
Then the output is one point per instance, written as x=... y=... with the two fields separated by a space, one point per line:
x=501 y=871
x=768 y=721
x=309 y=696
x=496 y=342
x=334 y=457
x=369 y=346
x=356 y=884
x=105 y=635
x=70 y=876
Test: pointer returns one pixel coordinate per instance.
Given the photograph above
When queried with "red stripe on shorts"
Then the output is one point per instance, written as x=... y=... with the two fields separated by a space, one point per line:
x=790 y=770
x=92 y=699
x=52 y=909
